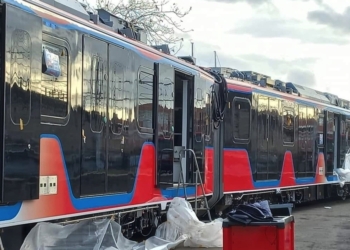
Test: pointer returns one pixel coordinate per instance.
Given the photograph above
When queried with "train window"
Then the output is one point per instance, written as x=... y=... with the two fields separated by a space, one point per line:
x=96 y=96
x=288 y=126
x=344 y=146
x=320 y=130
x=54 y=81
x=347 y=133
x=116 y=98
x=145 y=100
x=20 y=75
x=241 y=119
x=166 y=107
x=199 y=121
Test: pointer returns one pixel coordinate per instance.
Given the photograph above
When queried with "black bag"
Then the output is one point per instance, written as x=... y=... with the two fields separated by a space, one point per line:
x=258 y=212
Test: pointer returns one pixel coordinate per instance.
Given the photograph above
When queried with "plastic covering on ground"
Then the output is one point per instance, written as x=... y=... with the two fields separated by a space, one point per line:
x=181 y=220
x=343 y=173
x=181 y=228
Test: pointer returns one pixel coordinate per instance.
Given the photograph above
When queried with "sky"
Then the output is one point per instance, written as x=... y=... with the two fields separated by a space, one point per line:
x=303 y=41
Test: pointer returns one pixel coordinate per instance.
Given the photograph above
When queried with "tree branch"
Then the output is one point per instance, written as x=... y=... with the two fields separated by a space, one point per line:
x=160 y=19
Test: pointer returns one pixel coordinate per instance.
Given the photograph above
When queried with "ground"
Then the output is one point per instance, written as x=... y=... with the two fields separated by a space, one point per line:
x=322 y=226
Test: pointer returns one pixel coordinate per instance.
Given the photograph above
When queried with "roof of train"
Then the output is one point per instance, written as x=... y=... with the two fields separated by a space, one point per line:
x=248 y=87
x=24 y=4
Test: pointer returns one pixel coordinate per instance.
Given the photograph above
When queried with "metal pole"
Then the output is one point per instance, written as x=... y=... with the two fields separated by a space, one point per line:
x=215 y=58
x=192 y=48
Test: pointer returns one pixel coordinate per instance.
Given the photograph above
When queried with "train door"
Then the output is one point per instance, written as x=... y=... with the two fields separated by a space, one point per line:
x=332 y=140
x=274 y=140
x=319 y=142
x=308 y=146
x=165 y=124
x=344 y=139
x=311 y=143
x=94 y=118
x=302 y=133
x=119 y=179
x=268 y=153
x=262 y=148
x=21 y=56
x=173 y=112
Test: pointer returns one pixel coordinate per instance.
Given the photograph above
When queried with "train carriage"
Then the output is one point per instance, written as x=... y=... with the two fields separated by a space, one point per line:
x=279 y=140
x=95 y=123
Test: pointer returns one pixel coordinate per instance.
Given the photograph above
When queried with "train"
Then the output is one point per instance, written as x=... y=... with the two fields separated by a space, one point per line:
x=96 y=123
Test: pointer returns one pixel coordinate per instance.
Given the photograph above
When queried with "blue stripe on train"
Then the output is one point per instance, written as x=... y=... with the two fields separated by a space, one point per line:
x=9 y=212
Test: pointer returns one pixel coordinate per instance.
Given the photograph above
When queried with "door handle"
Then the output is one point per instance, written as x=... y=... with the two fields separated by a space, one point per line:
x=83 y=135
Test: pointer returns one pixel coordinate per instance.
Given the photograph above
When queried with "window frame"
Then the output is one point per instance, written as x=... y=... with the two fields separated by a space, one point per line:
x=56 y=120
x=198 y=100
x=347 y=130
x=21 y=122
x=111 y=100
x=144 y=130
x=289 y=109
x=207 y=133
x=96 y=60
x=163 y=102
x=241 y=140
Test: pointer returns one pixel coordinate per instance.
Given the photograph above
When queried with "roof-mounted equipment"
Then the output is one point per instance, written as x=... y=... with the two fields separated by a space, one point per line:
x=189 y=59
x=238 y=74
x=102 y=18
x=118 y=25
x=291 y=89
x=333 y=99
x=258 y=78
x=162 y=48
x=306 y=92
x=344 y=103
x=225 y=71
x=280 y=86
x=70 y=6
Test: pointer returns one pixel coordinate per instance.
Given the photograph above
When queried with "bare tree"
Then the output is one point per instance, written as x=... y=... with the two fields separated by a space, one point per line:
x=160 y=19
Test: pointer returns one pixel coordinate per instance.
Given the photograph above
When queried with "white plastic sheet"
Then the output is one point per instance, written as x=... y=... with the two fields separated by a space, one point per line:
x=182 y=220
x=182 y=226
x=90 y=234
x=343 y=173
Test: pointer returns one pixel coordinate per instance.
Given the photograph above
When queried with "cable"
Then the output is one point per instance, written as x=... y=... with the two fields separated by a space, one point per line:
x=219 y=97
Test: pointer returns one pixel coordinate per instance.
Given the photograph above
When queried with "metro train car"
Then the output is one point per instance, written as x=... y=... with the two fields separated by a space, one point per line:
x=94 y=122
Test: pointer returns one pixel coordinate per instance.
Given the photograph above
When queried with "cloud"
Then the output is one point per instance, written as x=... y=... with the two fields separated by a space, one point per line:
x=275 y=66
x=332 y=19
x=302 y=77
x=286 y=70
x=295 y=70
x=204 y=53
x=288 y=28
